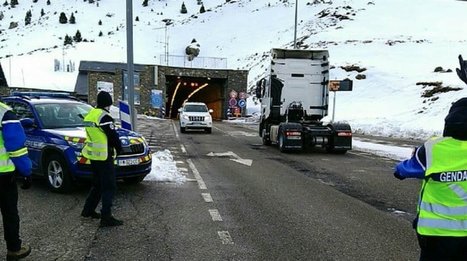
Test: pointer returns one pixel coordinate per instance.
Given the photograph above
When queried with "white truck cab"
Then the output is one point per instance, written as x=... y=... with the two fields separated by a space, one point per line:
x=195 y=115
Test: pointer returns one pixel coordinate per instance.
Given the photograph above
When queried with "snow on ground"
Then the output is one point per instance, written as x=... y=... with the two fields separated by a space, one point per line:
x=164 y=168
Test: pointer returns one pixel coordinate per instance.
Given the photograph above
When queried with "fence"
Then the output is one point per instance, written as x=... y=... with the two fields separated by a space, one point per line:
x=197 y=62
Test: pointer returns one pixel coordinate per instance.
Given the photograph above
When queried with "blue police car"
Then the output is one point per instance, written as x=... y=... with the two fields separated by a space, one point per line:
x=55 y=136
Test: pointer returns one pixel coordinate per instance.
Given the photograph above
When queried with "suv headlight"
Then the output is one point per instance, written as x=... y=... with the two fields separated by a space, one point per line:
x=76 y=145
x=207 y=118
x=185 y=117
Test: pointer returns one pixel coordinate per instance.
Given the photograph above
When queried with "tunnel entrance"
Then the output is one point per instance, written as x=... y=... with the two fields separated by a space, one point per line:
x=195 y=89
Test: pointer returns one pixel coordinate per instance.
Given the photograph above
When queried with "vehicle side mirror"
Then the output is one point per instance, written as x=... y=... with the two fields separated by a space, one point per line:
x=210 y=110
x=27 y=123
x=180 y=109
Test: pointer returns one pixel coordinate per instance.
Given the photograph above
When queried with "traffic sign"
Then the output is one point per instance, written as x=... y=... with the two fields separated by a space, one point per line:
x=232 y=102
x=241 y=103
x=242 y=95
x=233 y=94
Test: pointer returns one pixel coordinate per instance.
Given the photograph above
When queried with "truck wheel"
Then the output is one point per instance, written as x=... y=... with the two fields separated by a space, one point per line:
x=266 y=140
x=182 y=129
x=281 y=143
x=57 y=173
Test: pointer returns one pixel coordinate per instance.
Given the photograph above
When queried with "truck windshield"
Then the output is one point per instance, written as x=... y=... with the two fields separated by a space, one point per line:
x=196 y=108
x=62 y=115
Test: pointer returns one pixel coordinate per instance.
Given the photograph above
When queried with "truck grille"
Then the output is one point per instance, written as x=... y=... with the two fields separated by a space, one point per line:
x=133 y=149
x=196 y=118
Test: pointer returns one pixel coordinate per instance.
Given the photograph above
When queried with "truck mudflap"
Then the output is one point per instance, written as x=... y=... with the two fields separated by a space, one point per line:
x=290 y=136
x=340 y=139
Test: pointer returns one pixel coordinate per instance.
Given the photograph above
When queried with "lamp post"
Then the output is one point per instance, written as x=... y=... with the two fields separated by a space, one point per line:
x=295 y=30
x=131 y=77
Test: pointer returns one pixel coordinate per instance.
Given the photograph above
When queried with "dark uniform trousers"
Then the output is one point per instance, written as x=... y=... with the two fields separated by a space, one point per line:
x=436 y=248
x=9 y=208
x=103 y=185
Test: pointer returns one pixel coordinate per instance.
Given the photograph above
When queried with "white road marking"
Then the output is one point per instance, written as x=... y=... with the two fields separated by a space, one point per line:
x=225 y=237
x=247 y=162
x=207 y=197
x=215 y=215
x=198 y=177
x=175 y=129
x=183 y=149
x=185 y=170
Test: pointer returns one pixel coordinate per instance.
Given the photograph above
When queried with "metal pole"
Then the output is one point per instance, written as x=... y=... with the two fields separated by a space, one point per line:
x=295 y=30
x=131 y=71
x=333 y=107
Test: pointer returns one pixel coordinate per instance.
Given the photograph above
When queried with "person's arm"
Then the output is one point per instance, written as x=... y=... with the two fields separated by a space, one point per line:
x=108 y=126
x=14 y=139
x=414 y=167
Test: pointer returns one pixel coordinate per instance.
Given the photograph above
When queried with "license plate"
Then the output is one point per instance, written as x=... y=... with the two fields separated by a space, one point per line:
x=128 y=162
x=294 y=137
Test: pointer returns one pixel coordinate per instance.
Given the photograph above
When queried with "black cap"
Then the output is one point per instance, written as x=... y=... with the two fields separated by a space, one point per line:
x=103 y=99
x=455 y=123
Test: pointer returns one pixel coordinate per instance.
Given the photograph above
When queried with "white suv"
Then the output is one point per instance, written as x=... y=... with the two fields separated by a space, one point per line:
x=195 y=115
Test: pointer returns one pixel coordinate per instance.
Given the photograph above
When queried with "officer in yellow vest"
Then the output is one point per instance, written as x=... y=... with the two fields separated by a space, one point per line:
x=102 y=144
x=441 y=163
x=13 y=159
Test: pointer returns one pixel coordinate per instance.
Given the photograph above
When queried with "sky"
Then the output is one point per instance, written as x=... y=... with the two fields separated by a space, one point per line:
x=398 y=42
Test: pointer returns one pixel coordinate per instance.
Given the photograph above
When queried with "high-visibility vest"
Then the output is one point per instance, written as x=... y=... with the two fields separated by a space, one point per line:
x=6 y=165
x=442 y=209
x=95 y=147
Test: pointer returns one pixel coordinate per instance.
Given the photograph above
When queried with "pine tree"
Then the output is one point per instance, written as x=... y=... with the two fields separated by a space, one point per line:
x=72 y=19
x=145 y=3
x=100 y=34
x=42 y=12
x=77 y=38
x=200 y=2
x=183 y=9
x=27 y=19
x=137 y=19
x=68 y=40
x=13 y=3
x=48 y=2
x=34 y=1
x=100 y=22
x=63 y=19
x=6 y=3
x=202 y=10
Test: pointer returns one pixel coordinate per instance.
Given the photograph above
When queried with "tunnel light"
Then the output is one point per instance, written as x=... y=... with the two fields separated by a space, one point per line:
x=173 y=98
x=195 y=91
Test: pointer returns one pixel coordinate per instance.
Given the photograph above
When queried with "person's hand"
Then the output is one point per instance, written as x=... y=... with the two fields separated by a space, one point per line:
x=27 y=182
x=462 y=72
x=398 y=175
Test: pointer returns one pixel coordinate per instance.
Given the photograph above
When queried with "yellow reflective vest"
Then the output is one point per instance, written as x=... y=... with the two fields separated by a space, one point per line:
x=96 y=144
x=442 y=210
x=6 y=165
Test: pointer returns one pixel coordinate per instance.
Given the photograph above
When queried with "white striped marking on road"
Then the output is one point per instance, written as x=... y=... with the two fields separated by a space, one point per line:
x=215 y=215
x=207 y=197
x=198 y=177
x=225 y=237
x=175 y=129
x=183 y=148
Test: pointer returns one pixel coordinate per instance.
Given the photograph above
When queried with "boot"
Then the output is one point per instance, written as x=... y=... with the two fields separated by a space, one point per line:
x=23 y=252
x=110 y=222
x=92 y=214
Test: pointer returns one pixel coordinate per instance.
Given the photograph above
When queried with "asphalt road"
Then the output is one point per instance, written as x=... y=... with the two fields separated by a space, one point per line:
x=242 y=201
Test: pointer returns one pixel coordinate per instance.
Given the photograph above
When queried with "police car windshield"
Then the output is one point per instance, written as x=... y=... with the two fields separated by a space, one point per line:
x=196 y=108
x=62 y=115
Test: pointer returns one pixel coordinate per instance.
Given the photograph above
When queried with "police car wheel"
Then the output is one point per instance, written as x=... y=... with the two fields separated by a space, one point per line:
x=58 y=176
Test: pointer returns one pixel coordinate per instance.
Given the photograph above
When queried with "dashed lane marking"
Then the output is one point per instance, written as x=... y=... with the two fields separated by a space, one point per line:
x=198 y=177
x=225 y=237
x=207 y=197
x=215 y=215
